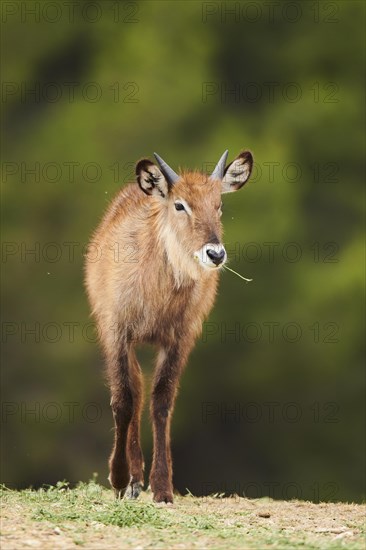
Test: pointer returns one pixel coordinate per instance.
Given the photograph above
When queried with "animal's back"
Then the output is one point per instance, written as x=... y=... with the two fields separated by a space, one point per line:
x=113 y=254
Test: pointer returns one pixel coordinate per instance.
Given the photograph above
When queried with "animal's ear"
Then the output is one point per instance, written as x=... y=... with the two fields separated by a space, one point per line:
x=151 y=179
x=238 y=172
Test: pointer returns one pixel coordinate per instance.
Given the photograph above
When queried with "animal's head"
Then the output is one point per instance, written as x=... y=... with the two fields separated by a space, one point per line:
x=192 y=203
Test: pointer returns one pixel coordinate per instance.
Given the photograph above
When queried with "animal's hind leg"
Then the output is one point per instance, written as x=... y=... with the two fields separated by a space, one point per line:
x=122 y=408
x=134 y=452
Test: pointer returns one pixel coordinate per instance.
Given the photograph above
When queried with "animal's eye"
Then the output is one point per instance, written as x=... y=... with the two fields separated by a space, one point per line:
x=179 y=206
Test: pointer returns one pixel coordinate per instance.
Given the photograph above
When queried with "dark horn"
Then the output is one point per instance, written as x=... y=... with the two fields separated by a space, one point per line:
x=168 y=172
x=219 y=171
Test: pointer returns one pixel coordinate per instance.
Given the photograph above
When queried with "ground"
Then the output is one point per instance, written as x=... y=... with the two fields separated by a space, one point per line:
x=89 y=516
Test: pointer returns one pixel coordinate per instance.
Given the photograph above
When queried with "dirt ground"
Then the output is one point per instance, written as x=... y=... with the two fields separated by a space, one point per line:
x=66 y=520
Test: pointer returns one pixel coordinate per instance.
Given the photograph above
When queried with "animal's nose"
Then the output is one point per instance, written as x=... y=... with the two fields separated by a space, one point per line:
x=216 y=256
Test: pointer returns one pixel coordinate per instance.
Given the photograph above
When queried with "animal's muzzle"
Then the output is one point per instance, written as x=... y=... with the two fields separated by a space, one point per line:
x=211 y=255
x=216 y=256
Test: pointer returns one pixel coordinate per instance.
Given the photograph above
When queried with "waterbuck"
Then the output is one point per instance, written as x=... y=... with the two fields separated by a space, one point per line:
x=154 y=280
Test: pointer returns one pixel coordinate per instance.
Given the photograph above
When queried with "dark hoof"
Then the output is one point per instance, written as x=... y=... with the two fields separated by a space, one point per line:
x=119 y=493
x=118 y=488
x=133 y=490
x=163 y=496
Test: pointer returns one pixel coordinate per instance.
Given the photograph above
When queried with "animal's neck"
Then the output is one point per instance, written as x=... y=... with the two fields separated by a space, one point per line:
x=183 y=269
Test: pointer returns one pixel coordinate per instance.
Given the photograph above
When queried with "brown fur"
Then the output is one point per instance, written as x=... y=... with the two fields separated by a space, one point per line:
x=146 y=287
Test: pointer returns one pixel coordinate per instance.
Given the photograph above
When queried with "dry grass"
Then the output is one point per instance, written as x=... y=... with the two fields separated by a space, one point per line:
x=88 y=516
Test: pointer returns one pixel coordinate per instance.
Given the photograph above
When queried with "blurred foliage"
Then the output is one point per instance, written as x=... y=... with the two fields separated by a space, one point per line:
x=164 y=55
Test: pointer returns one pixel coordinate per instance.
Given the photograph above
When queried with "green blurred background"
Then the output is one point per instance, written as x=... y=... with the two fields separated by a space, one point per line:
x=271 y=402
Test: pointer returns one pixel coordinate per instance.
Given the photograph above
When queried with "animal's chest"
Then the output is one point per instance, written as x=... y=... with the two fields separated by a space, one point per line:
x=181 y=311
x=178 y=303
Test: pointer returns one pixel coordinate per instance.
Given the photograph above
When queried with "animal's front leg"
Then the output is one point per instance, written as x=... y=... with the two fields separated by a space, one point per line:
x=134 y=452
x=122 y=408
x=169 y=367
